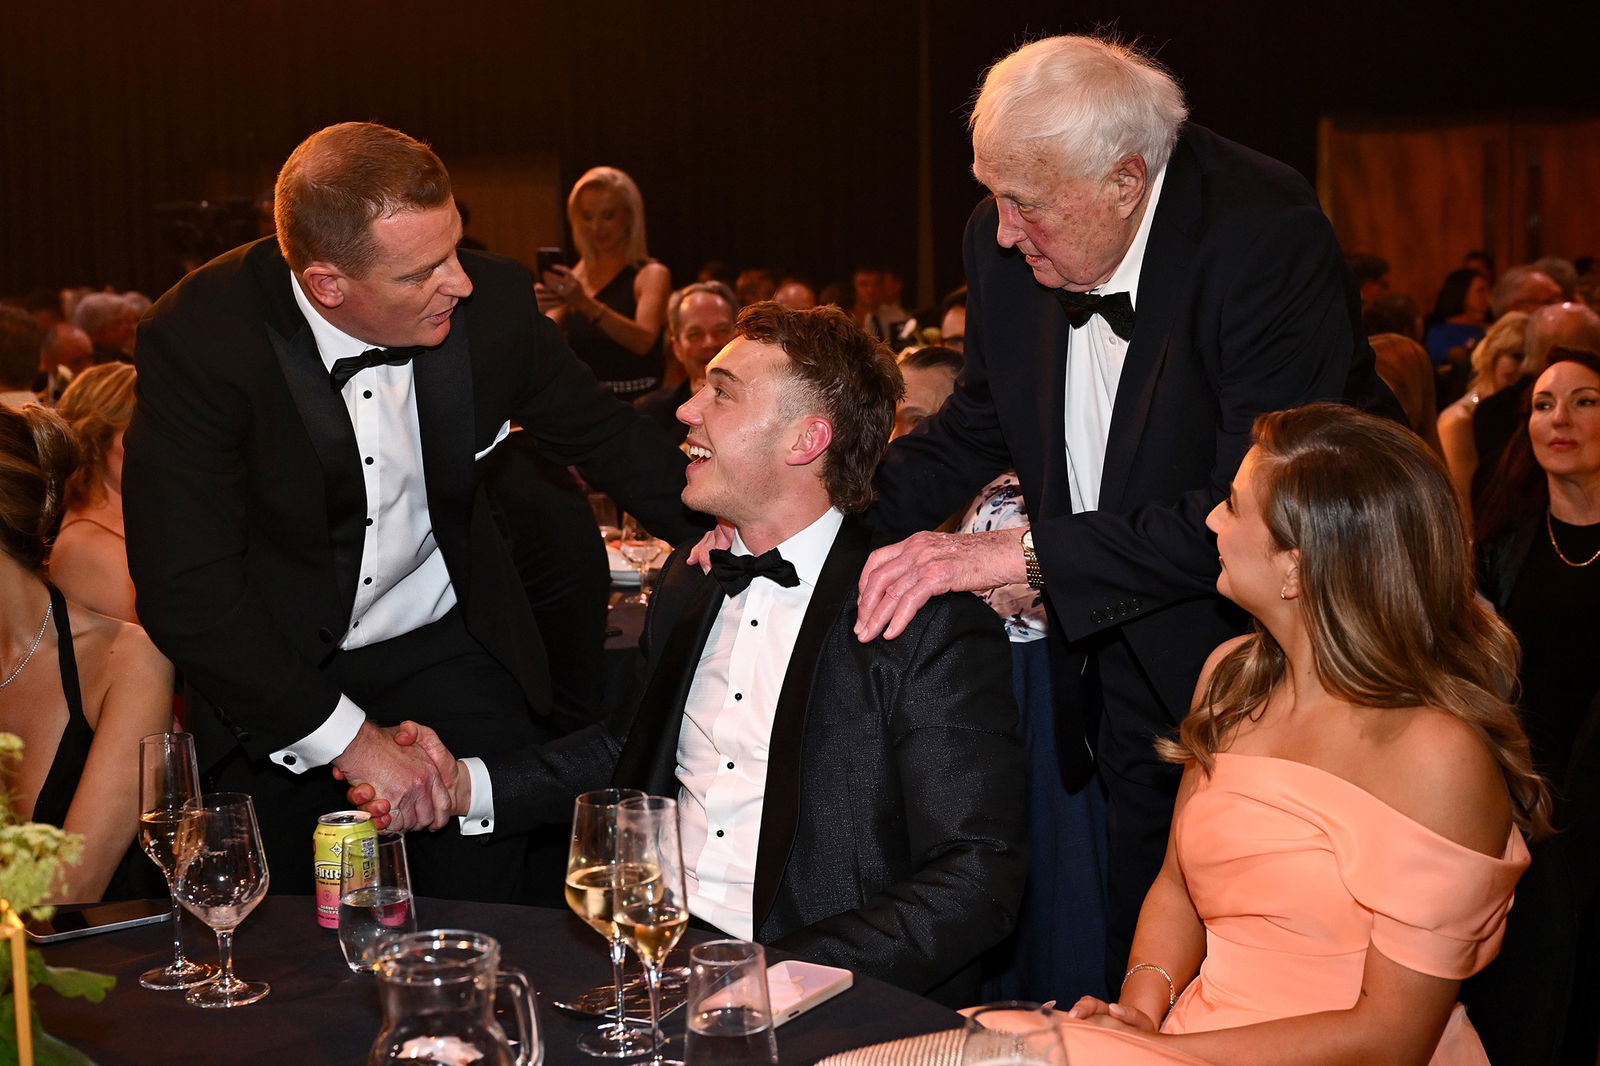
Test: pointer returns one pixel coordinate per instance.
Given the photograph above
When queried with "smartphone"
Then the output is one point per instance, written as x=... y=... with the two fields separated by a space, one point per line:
x=796 y=987
x=549 y=258
x=69 y=923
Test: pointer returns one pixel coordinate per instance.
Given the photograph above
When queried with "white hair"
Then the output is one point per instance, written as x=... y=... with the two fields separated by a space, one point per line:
x=98 y=310
x=1080 y=103
x=620 y=185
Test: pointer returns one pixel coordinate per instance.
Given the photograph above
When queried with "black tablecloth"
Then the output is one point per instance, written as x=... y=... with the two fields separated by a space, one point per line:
x=321 y=1014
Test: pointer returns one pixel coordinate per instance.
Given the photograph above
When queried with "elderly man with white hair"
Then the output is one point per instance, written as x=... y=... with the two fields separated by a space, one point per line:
x=1140 y=290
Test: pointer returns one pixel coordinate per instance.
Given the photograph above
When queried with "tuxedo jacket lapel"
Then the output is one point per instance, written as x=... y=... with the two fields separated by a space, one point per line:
x=1048 y=346
x=1163 y=283
x=688 y=605
x=780 y=806
x=442 y=382
x=327 y=423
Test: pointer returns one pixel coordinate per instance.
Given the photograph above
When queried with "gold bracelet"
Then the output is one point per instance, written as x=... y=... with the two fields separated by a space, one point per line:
x=1172 y=989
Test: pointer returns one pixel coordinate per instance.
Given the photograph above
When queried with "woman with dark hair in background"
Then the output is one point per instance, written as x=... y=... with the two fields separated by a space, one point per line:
x=1460 y=315
x=1539 y=563
x=89 y=560
x=79 y=688
x=612 y=304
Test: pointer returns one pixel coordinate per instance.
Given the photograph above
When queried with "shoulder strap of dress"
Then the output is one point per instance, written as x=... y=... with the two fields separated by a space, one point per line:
x=72 y=752
x=66 y=656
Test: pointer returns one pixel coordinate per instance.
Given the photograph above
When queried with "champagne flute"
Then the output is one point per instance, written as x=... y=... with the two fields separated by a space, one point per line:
x=221 y=878
x=593 y=879
x=169 y=799
x=653 y=909
x=639 y=548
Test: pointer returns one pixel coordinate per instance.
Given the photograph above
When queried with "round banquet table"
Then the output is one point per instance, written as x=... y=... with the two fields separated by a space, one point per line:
x=321 y=1014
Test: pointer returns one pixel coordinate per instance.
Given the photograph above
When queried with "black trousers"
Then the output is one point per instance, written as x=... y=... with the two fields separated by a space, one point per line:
x=1140 y=788
x=437 y=675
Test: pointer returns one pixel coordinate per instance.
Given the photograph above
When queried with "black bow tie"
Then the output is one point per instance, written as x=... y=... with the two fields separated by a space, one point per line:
x=735 y=572
x=1116 y=308
x=345 y=369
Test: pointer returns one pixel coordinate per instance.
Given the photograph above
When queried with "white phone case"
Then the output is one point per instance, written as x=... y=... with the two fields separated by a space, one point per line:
x=796 y=987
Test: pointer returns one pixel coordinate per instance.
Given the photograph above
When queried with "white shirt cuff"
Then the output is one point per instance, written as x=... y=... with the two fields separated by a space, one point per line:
x=326 y=743
x=479 y=818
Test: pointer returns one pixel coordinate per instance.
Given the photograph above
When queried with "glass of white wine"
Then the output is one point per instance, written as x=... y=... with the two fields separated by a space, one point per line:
x=652 y=908
x=639 y=548
x=593 y=878
x=169 y=799
x=221 y=878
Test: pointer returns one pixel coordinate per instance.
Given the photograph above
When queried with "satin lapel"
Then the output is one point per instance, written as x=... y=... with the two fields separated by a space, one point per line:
x=1163 y=281
x=649 y=757
x=780 y=805
x=442 y=380
x=327 y=423
x=1047 y=346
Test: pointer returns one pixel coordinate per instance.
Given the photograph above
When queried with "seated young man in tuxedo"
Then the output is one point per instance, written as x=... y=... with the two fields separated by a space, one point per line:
x=859 y=805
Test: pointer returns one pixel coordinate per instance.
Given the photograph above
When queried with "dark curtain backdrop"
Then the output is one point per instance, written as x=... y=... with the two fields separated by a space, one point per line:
x=780 y=133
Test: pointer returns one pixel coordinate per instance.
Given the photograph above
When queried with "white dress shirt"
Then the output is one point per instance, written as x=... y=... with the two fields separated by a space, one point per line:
x=403 y=584
x=727 y=727
x=1095 y=356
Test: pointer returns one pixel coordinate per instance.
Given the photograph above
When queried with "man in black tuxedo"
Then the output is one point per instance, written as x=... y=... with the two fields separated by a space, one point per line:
x=306 y=529
x=858 y=805
x=1139 y=290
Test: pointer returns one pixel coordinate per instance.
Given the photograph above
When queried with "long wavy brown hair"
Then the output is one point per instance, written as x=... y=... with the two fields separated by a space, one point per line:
x=1387 y=592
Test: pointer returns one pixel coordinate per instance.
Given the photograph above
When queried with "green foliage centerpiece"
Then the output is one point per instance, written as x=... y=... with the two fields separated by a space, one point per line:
x=31 y=859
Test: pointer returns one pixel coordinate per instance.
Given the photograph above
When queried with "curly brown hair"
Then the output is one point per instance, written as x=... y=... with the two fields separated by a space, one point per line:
x=841 y=373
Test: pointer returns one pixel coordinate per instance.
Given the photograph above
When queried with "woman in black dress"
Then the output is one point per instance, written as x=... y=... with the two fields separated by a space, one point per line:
x=1539 y=563
x=613 y=304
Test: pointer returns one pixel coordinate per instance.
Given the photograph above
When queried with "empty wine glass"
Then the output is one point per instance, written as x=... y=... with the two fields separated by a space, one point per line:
x=640 y=549
x=652 y=908
x=169 y=796
x=222 y=875
x=593 y=878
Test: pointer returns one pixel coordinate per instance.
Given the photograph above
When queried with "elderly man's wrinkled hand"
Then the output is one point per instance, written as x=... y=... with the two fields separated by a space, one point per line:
x=900 y=578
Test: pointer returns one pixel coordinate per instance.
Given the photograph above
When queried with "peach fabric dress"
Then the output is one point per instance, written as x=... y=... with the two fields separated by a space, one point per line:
x=1296 y=872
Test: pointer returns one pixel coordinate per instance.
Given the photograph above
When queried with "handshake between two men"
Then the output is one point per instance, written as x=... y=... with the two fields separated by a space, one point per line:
x=404 y=777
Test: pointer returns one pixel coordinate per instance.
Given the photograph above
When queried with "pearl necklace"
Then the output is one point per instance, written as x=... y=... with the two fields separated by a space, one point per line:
x=1549 y=528
x=39 y=637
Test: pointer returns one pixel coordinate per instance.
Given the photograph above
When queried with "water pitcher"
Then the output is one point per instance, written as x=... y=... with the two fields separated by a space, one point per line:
x=438 y=994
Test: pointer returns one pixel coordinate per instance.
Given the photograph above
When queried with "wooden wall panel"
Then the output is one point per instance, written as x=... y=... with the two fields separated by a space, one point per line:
x=1422 y=193
x=1420 y=198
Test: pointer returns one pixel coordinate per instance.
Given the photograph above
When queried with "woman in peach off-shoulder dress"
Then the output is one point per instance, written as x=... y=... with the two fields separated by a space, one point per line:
x=1357 y=786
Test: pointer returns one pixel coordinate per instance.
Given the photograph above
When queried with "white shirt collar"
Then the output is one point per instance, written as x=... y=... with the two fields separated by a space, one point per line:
x=1126 y=277
x=807 y=549
x=333 y=343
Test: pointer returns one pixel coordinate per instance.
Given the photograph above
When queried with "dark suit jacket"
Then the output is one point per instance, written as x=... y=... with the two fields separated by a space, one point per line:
x=244 y=500
x=1243 y=307
x=893 y=823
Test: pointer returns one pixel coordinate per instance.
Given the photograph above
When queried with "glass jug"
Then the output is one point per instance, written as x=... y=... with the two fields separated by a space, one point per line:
x=438 y=991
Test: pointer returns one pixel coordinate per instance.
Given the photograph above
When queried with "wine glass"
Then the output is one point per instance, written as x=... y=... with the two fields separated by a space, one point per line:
x=169 y=797
x=221 y=878
x=639 y=548
x=593 y=878
x=652 y=907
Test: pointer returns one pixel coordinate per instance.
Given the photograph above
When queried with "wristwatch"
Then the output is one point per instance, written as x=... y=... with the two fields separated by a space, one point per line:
x=1030 y=560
